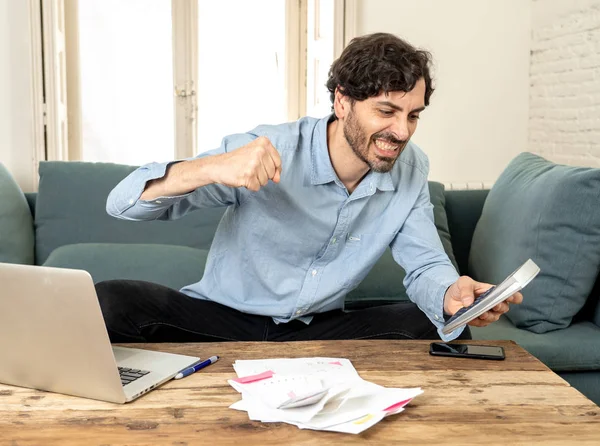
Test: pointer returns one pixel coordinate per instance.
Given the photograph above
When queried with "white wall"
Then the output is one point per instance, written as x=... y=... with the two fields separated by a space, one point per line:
x=478 y=116
x=16 y=114
x=565 y=81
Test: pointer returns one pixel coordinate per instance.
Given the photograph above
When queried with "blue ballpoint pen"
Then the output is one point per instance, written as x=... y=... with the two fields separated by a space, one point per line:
x=196 y=367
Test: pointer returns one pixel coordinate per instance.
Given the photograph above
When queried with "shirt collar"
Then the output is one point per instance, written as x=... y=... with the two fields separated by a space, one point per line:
x=322 y=170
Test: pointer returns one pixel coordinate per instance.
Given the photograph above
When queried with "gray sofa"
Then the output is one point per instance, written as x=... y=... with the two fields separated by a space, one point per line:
x=65 y=225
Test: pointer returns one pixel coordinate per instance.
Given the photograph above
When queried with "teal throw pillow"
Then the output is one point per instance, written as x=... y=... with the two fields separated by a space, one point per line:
x=16 y=223
x=551 y=214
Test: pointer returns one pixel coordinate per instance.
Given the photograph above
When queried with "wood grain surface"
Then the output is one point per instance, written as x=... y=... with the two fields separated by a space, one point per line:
x=518 y=401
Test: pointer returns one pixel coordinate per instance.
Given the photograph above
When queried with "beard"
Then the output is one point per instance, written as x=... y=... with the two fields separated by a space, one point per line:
x=359 y=143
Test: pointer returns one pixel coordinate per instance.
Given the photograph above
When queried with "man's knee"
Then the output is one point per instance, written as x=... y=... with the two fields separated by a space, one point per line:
x=119 y=308
x=118 y=299
x=134 y=300
x=112 y=294
x=405 y=318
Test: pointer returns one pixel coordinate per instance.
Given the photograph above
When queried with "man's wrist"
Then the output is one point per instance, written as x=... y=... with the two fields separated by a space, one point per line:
x=446 y=316
x=445 y=303
x=195 y=173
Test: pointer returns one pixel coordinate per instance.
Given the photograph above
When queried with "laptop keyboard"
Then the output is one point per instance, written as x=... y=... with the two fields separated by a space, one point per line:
x=130 y=375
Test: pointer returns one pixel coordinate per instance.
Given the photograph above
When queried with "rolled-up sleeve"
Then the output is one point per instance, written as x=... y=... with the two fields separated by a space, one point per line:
x=124 y=200
x=429 y=272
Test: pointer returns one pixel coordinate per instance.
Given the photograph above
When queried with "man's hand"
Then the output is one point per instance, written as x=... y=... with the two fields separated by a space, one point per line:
x=463 y=292
x=250 y=166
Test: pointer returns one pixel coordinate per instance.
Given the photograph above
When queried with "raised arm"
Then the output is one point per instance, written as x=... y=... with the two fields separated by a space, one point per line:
x=217 y=178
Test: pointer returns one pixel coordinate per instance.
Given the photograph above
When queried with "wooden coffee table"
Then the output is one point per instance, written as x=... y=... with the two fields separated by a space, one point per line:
x=515 y=401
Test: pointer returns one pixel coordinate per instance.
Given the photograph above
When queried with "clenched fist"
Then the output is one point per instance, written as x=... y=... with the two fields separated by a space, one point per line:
x=251 y=166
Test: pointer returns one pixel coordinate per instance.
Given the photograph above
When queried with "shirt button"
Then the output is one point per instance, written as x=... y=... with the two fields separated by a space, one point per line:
x=158 y=202
x=437 y=318
x=314 y=272
x=299 y=312
x=131 y=201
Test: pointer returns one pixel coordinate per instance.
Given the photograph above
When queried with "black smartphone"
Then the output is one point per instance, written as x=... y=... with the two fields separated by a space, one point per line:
x=466 y=350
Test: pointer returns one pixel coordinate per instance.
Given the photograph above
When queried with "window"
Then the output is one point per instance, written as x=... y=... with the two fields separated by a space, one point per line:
x=126 y=75
x=241 y=67
x=320 y=56
x=161 y=79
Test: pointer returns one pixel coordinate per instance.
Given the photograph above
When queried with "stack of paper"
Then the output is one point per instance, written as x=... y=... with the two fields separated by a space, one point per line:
x=314 y=393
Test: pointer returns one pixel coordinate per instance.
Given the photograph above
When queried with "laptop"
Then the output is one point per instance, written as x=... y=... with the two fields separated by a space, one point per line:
x=53 y=337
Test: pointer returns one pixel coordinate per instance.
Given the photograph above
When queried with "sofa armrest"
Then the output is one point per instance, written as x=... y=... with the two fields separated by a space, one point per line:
x=463 y=208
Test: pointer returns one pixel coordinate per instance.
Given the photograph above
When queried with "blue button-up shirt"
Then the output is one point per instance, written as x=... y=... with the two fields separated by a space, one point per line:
x=297 y=247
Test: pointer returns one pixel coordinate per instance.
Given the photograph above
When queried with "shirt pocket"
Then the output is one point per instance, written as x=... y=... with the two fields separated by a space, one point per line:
x=360 y=253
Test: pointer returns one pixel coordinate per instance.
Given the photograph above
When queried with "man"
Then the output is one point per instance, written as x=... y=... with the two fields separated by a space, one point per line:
x=312 y=205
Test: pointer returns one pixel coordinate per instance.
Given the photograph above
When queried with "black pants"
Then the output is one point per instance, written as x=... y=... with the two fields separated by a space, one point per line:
x=137 y=311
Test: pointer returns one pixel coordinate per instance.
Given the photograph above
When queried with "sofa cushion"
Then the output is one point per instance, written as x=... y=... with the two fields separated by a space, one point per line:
x=71 y=208
x=463 y=208
x=574 y=348
x=16 y=223
x=549 y=213
x=383 y=284
x=169 y=265
x=438 y=199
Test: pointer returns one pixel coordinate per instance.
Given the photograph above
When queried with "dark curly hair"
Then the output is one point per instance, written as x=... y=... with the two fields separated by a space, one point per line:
x=379 y=62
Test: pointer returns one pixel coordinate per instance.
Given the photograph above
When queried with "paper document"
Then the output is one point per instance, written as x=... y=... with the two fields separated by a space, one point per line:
x=314 y=393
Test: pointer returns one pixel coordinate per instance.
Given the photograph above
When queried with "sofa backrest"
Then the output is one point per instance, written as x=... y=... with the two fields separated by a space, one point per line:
x=70 y=209
x=463 y=209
